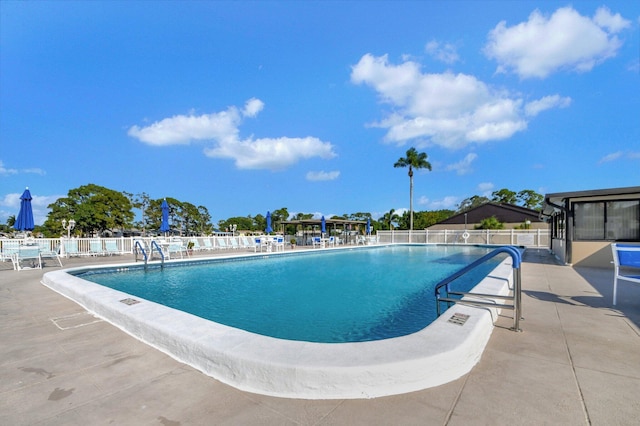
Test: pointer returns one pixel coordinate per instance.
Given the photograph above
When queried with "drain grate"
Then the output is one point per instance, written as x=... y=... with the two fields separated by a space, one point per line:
x=458 y=319
x=129 y=301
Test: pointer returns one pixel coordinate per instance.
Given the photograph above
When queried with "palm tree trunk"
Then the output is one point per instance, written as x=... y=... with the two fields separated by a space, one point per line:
x=410 y=198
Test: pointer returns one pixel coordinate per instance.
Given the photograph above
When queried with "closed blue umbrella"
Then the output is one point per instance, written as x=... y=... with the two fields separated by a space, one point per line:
x=24 y=222
x=368 y=226
x=323 y=225
x=164 y=226
x=269 y=229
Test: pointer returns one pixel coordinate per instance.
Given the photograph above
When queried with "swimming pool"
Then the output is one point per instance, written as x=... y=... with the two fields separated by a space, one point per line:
x=334 y=297
x=436 y=354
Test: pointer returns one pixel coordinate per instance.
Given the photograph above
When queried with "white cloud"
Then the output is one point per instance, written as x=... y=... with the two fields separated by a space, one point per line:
x=612 y=23
x=565 y=40
x=182 y=129
x=221 y=129
x=444 y=52
x=464 y=166
x=5 y=171
x=450 y=110
x=10 y=171
x=533 y=108
x=252 y=107
x=448 y=202
x=271 y=153
x=614 y=156
x=322 y=175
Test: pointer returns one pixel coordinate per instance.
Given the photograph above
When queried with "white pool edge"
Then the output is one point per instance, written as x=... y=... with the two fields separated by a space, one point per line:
x=438 y=354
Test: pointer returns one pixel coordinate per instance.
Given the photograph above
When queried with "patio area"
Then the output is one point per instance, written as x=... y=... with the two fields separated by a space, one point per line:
x=576 y=362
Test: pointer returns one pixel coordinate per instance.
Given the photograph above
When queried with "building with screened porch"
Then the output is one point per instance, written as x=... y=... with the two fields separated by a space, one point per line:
x=585 y=223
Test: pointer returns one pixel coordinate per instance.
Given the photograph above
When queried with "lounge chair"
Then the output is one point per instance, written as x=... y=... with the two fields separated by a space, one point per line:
x=9 y=250
x=246 y=243
x=196 y=244
x=46 y=251
x=626 y=259
x=111 y=247
x=29 y=253
x=207 y=244
x=70 y=247
x=234 y=243
x=175 y=248
x=222 y=244
x=95 y=247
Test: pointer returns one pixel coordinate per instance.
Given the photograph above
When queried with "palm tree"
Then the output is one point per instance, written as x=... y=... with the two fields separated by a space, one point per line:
x=390 y=218
x=413 y=160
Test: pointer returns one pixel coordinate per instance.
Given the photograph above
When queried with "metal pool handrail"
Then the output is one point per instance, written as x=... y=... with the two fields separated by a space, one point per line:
x=516 y=297
x=138 y=244
x=154 y=243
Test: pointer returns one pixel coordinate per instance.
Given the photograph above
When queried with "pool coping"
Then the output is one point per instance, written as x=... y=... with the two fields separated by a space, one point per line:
x=437 y=354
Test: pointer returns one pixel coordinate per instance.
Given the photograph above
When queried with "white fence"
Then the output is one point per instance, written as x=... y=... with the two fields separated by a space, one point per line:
x=125 y=245
x=518 y=237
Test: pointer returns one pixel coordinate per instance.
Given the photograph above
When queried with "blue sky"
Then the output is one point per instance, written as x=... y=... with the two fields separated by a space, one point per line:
x=244 y=107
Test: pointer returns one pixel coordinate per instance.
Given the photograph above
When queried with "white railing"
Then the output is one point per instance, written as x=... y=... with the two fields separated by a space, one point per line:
x=124 y=245
x=518 y=237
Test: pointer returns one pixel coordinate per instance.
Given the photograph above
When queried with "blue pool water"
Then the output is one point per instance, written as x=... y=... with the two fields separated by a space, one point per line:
x=329 y=296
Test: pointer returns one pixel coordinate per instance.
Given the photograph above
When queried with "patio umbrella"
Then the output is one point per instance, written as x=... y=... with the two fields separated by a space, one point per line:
x=323 y=226
x=368 y=226
x=269 y=229
x=24 y=222
x=164 y=226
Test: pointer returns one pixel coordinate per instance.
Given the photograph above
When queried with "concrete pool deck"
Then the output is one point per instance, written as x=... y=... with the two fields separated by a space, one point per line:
x=577 y=361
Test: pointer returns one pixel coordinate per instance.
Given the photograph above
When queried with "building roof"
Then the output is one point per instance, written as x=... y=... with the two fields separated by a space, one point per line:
x=553 y=202
x=506 y=213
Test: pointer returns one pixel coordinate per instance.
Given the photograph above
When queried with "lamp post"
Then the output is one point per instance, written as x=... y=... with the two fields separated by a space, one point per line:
x=233 y=229
x=68 y=226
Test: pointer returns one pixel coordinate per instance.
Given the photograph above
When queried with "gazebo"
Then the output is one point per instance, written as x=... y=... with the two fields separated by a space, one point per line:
x=311 y=227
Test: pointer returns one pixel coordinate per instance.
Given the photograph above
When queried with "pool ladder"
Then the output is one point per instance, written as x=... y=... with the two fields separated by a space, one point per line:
x=138 y=246
x=515 y=297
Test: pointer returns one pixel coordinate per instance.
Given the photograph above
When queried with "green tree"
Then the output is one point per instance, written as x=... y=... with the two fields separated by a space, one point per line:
x=413 y=160
x=389 y=220
x=426 y=219
x=140 y=201
x=504 y=196
x=259 y=223
x=204 y=221
x=471 y=203
x=243 y=223
x=490 y=223
x=94 y=208
x=530 y=199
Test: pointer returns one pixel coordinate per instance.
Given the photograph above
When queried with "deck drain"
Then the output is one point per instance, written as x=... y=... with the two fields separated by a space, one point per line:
x=129 y=301
x=458 y=319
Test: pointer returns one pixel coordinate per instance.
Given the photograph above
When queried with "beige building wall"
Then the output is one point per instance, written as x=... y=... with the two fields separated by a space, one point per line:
x=596 y=254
